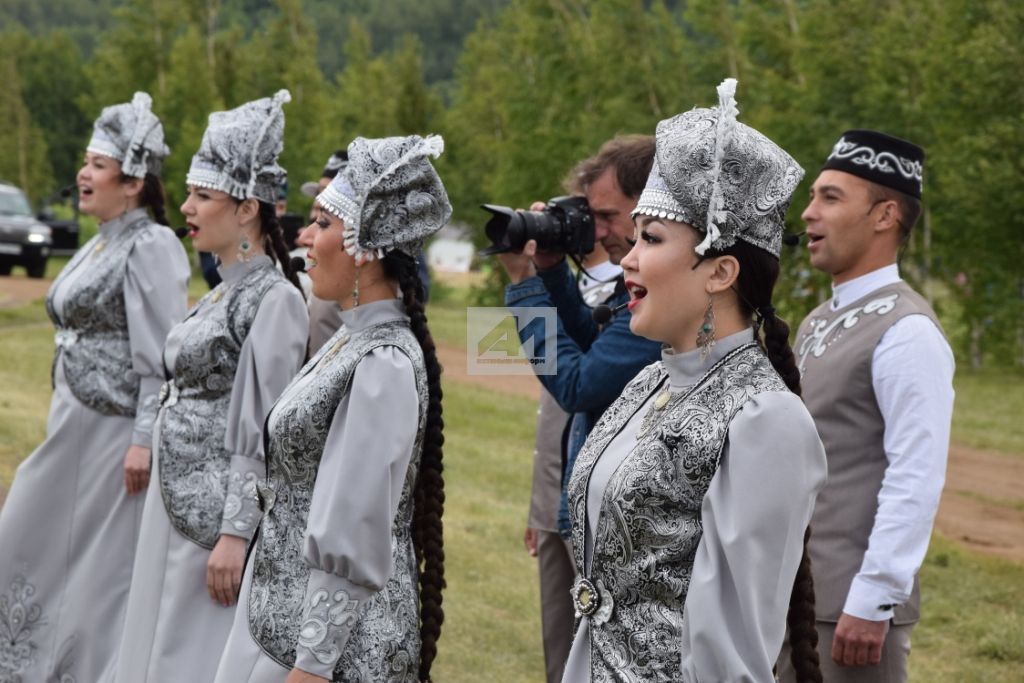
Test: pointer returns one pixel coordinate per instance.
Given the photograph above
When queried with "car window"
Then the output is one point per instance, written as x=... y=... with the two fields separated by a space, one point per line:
x=14 y=204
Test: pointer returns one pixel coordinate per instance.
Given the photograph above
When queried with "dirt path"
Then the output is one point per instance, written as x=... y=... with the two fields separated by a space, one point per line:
x=454 y=363
x=15 y=291
x=982 y=503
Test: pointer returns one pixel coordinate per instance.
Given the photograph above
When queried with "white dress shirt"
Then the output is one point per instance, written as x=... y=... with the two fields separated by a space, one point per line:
x=912 y=375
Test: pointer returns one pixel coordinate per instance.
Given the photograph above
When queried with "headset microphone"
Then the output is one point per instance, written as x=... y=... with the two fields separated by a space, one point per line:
x=298 y=264
x=603 y=313
x=793 y=239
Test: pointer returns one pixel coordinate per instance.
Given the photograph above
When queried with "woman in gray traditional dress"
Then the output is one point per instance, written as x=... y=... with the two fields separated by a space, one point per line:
x=226 y=363
x=691 y=497
x=70 y=524
x=350 y=542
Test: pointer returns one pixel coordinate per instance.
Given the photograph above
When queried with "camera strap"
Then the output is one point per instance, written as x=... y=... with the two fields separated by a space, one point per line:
x=581 y=271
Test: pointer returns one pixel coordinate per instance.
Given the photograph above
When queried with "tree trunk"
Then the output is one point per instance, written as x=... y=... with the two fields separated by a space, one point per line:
x=926 y=257
x=977 y=331
x=211 y=32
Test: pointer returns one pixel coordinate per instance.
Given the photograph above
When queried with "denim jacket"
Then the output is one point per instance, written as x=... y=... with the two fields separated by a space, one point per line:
x=595 y=362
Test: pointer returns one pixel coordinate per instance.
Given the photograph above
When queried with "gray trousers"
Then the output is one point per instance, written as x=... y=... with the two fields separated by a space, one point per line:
x=892 y=668
x=554 y=562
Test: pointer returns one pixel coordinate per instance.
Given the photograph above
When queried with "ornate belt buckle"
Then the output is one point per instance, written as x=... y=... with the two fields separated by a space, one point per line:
x=591 y=600
x=65 y=338
x=168 y=393
x=265 y=496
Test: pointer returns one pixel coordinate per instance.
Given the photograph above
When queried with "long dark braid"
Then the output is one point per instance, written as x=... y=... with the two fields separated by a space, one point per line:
x=428 y=495
x=803 y=636
x=759 y=271
x=152 y=197
x=274 y=245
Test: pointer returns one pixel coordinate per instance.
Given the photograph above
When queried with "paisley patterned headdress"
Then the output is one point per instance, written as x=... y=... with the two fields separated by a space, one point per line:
x=389 y=196
x=131 y=134
x=720 y=176
x=239 y=151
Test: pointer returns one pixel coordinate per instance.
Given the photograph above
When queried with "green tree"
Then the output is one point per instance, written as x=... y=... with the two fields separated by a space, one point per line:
x=134 y=55
x=52 y=82
x=24 y=160
x=190 y=96
x=284 y=56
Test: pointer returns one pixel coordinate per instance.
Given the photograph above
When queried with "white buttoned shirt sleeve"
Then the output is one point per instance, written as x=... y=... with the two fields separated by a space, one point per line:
x=912 y=375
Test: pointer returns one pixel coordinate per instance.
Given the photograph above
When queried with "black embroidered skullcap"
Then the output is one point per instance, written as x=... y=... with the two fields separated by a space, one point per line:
x=335 y=163
x=879 y=158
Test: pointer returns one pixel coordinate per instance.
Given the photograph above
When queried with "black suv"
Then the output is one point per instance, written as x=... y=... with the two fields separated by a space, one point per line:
x=24 y=241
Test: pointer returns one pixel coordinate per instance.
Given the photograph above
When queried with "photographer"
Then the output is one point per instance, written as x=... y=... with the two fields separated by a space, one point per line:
x=594 y=361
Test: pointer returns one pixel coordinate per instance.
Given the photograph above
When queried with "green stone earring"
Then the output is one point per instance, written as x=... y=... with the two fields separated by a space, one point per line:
x=706 y=336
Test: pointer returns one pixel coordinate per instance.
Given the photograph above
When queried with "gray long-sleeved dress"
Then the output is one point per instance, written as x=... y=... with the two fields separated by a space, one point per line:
x=347 y=547
x=754 y=514
x=68 y=529
x=172 y=624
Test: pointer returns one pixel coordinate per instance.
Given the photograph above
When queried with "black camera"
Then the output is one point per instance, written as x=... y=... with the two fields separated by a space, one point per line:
x=565 y=224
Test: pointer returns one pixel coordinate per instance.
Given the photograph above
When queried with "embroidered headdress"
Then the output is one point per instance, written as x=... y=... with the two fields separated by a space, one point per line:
x=720 y=176
x=131 y=134
x=389 y=195
x=881 y=159
x=239 y=151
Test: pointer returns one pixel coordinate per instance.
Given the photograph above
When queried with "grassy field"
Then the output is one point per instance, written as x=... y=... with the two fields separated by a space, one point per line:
x=973 y=628
x=989 y=407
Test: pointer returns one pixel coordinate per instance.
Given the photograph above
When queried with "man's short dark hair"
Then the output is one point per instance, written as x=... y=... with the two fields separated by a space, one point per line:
x=337 y=162
x=909 y=207
x=630 y=155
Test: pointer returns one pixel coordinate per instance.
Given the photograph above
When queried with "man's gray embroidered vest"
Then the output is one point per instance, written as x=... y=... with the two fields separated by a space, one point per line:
x=384 y=642
x=834 y=350
x=92 y=328
x=195 y=468
x=650 y=524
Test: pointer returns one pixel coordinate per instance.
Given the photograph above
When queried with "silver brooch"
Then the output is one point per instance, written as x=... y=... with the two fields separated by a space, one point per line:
x=592 y=600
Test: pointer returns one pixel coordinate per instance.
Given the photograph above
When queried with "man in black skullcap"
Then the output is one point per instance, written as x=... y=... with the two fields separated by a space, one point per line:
x=877 y=377
x=335 y=163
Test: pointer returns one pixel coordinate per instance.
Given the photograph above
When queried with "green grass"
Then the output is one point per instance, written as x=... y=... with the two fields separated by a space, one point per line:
x=447 y=322
x=26 y=353
x=491 y=605
x=973 y=627
x=989 y=406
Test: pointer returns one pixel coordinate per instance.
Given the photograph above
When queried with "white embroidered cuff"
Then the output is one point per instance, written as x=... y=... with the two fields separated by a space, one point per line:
x=870 y=601
x=241 y=507
x=330 y=611
x=145 y=412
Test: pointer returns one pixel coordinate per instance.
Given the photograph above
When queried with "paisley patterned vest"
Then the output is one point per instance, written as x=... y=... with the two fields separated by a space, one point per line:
x=650 y=523
x=195 y=467
x=384 y=642
x=92 y=328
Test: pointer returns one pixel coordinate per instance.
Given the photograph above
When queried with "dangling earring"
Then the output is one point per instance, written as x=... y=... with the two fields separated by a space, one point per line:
x=355 y=290
x=244 y=249
x=706 y=336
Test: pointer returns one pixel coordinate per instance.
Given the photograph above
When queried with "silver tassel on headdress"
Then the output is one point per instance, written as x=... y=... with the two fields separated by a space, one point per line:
x=727 y=112
x=281 y=97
